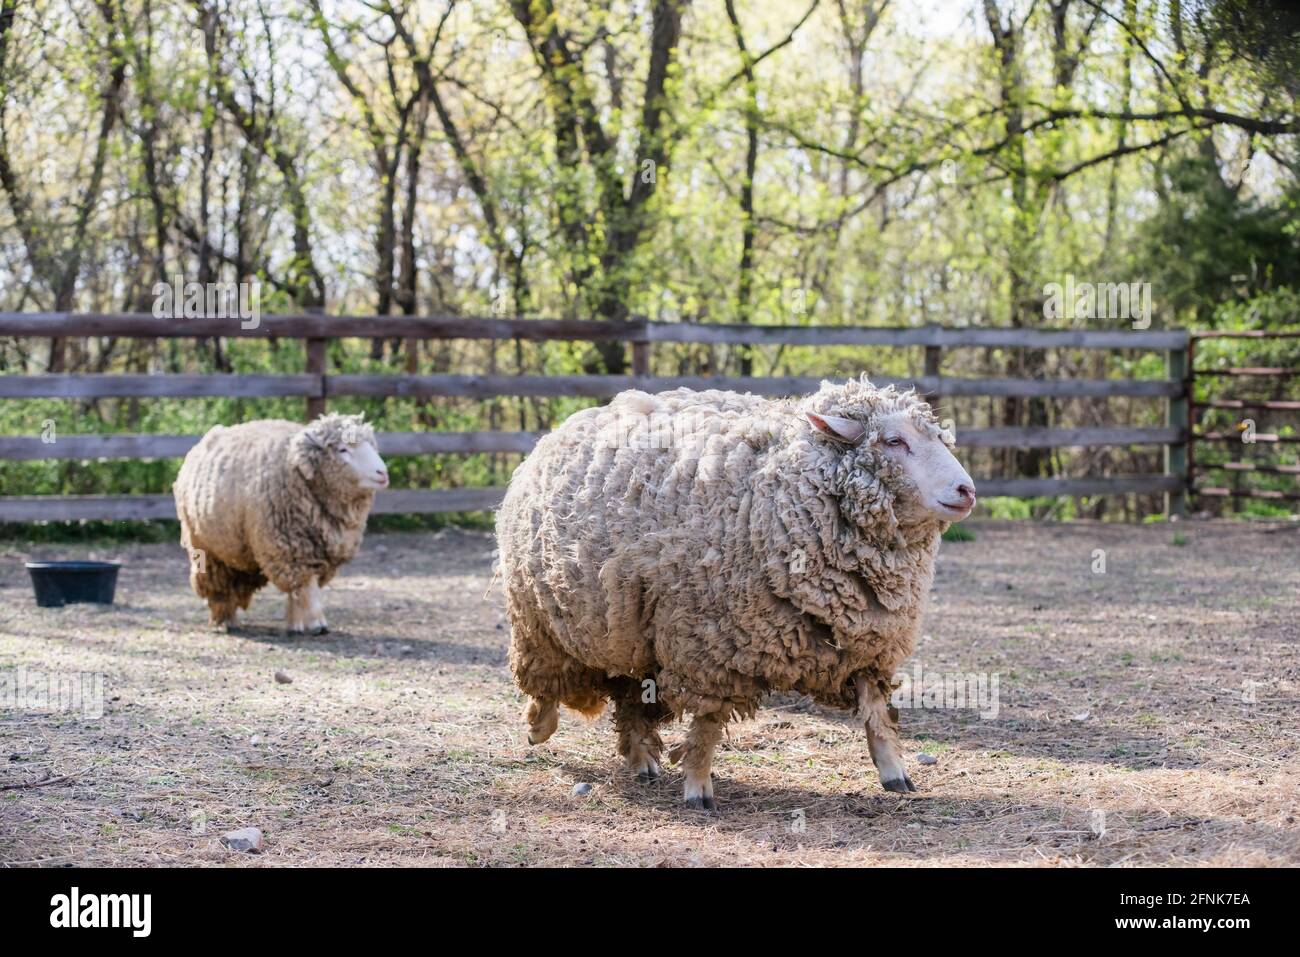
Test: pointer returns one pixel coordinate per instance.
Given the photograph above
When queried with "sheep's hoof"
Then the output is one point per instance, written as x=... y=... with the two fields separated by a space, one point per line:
x=321 y=630
x=901 y=785
x=539 y=737
x=648 y=775
x=702 y=804
x=543 y=717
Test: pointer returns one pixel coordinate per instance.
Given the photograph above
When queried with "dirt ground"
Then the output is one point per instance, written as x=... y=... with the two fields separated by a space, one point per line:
x=1146 y=715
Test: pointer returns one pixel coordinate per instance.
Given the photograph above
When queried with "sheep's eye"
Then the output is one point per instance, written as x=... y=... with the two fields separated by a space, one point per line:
x=342 y=450
x=895 y=442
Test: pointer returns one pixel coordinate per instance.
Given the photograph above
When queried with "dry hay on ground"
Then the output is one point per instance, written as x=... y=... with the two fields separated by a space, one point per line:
x=1126 y=731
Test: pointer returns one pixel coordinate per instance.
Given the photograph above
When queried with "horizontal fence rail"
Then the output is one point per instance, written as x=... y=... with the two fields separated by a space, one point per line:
x=94 y=447
x=317 y=385
x=1275 y=372
x=144 y=326
x=179 y=386
x=1236 y=437
x=1219 y=492
x=71 y=508
x=542 y=386
x=1279 y=405
x=109 y=508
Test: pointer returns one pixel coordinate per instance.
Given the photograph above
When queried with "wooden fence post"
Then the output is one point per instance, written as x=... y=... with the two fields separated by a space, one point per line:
x=1177 y=416
x=1193 y=419
x=641 y=352
x=316 y=362
x=933 y=361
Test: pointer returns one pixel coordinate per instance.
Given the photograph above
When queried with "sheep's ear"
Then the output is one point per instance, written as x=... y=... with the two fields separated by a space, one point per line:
x=837 y=429
x=303 y=453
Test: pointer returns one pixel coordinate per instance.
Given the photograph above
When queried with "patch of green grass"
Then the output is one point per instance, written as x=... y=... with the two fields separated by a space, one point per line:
x=931 y=746
x=90 y=533
x=1040 y=507
x=167 y=530
x=480 y=521
x=1008 y=508
x=1179 y=539
x=959 y=533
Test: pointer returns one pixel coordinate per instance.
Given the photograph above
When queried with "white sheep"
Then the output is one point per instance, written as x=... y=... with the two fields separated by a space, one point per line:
x=276 y=501
x=693 y=552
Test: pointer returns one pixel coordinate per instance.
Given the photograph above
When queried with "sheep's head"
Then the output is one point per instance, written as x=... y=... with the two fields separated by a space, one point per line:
x=339 y=453
x=894 y=467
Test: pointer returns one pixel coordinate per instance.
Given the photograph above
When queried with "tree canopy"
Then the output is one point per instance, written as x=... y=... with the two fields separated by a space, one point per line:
x=811 y=160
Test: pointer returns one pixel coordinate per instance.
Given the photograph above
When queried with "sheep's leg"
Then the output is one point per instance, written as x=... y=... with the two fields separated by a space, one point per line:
x=222 y=611
x=696 y=756
x=637 y=723
x=223 y=603
x=316 y=622
x=224 y=589
x=295 y=610
x=882 y=736
x=543 y=717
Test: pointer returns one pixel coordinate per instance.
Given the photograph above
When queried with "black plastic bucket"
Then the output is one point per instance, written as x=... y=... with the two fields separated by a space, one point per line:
x=62 y=583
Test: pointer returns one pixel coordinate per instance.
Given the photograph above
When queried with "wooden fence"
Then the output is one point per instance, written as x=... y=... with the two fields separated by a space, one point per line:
x=316 y=384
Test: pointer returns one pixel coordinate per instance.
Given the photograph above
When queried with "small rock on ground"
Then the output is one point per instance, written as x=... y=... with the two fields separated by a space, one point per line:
x=581 y=789
x=247 y=840
x=283 y=678
x=924 y=758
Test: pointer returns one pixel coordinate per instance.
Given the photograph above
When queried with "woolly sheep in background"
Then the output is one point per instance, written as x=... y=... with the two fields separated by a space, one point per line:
x=276 y=501
x=693 y=552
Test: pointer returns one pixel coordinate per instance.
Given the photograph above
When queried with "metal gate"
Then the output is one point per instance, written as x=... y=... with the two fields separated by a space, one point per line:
x=1244 y=433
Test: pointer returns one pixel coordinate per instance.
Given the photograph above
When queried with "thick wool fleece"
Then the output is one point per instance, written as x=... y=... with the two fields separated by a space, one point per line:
x=714 y=543
x=268 y=500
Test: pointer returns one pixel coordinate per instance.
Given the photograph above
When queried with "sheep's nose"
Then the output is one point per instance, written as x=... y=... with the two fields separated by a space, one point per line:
x=966 y=493
x=382 y=476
